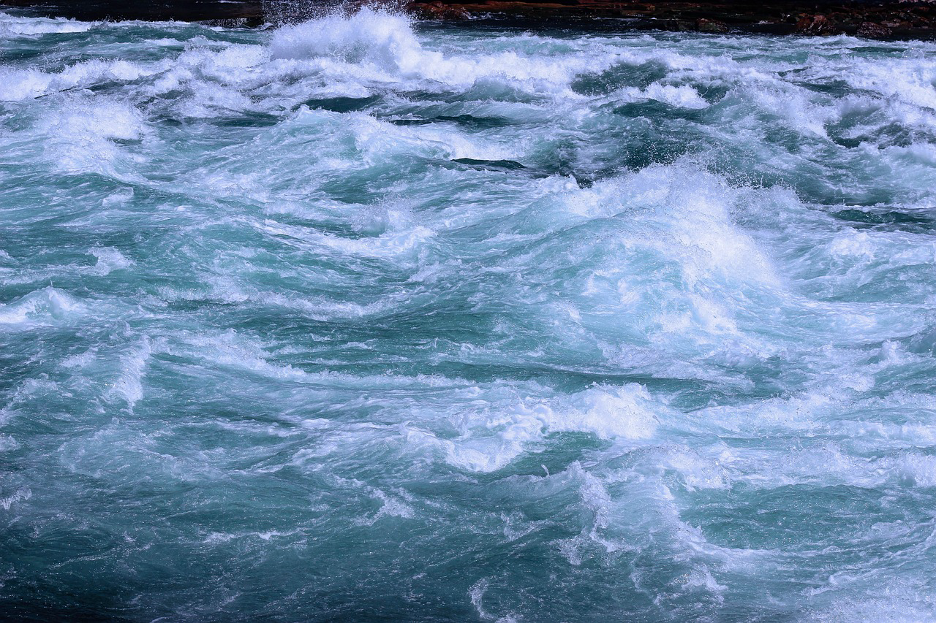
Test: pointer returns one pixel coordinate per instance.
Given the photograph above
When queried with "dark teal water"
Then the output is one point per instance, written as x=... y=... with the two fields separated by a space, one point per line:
x=367 y=320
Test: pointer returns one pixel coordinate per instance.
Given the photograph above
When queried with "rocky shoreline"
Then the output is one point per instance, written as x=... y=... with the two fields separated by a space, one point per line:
x=247 y=11
x=876 y=19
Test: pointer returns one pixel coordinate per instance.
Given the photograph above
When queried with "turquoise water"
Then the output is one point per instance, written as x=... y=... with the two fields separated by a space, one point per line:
x=365 y=319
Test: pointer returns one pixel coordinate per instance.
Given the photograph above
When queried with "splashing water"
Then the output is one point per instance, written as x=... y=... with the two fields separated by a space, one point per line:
x=362 y=319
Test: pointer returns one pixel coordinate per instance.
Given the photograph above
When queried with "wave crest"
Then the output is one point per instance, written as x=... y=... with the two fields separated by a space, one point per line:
x=375 y=36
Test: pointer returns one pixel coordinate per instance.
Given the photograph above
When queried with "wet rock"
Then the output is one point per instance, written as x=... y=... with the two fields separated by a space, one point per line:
x=815 y=25
x=704 y=24
x=878 y=19
x=228 y=12
x=440 y=11
x=874 y=31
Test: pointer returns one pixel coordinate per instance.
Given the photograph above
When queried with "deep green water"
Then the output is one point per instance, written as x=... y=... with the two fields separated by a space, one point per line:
x=361 y=319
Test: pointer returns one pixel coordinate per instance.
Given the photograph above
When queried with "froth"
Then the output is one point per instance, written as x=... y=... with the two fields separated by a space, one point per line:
x=12 y=26
x=491 y=439
x=385 y=41
x=21 y=84
x=83 y=135
x=129 y=385
x=40 y=307
x=370 y=36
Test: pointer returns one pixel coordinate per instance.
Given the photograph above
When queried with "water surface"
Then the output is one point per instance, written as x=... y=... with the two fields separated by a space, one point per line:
x=361 y=319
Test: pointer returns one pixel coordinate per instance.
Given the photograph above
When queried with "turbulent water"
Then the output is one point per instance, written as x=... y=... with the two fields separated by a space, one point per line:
x=366 y=319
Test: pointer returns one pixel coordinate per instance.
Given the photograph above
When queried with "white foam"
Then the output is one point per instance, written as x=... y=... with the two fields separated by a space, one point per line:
x=698 y=470
x=390 y=506
x=379 y=140
x=476 y=594
x=374 y=36
x=401 y=237
x=707 y=272
x=910 y=79
x=919 y=469
x=493 y=438
x=12 y=26
x=109 y=259
x=864 y=597
x=19 y=495
x=682 y=96
x=794 y=106
x=22 y=84
x=701 y=578
x=691 y=219
x=81 y=135
x=385 y=42
x=129 y=385
x=40 y=307
x=80 y=360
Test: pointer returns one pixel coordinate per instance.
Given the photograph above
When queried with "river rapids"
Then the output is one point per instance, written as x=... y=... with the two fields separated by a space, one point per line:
x=369 y=319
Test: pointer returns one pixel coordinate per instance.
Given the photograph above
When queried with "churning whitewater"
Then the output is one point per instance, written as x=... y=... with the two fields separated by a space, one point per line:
x=365 y=319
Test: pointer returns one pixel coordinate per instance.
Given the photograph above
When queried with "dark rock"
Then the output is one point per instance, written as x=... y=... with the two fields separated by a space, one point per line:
x=440 y=11
x=704 y=24
x=873 y=31
x=815 y=25
x=878 y=19
x=243 y=11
